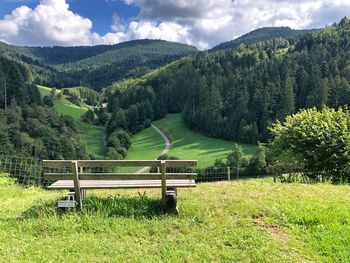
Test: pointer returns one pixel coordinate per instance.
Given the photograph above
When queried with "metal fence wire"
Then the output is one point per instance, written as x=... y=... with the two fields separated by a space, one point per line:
x=29 y=171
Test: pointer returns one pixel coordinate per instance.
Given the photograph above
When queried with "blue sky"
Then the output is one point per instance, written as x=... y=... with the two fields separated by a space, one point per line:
x=100 y=12
x=202 y=23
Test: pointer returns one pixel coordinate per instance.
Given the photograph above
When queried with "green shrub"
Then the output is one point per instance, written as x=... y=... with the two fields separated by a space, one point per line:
x=317 y=141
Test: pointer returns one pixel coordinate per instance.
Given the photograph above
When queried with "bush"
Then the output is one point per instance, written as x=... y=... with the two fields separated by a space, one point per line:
x=89 y=117
x=122 y=151
x=112 y=154
x=317 y=141
x=48 y=101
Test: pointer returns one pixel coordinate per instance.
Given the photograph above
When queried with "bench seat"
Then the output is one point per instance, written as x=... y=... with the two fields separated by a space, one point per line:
x=111 y=184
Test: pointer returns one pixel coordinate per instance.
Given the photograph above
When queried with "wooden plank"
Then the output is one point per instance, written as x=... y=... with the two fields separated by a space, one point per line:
x=121 y=184
x=77 y=184
x=118 y=163
x=163 y=180
x=57 y=163
x=119 y=176
x=181 y=163
x=101 y=163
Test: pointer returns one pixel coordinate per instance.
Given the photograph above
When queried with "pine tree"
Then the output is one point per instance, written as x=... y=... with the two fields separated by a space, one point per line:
x=287 y=102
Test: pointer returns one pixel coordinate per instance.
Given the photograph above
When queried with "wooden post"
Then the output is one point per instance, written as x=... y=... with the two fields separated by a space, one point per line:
x=163 y=181
x=228 y=173
x=77 y=190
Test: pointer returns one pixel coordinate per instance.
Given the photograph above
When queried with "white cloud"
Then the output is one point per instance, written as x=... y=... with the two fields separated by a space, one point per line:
x=203 y=23
x=210 y=22
x=50 y=23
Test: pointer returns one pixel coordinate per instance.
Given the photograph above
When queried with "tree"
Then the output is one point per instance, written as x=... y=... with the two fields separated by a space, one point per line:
x=257 y=163
x=319 y=141
x=287 y=103
x=132 y=117
x=234 y=159
x=89 y=117
x=48 y=101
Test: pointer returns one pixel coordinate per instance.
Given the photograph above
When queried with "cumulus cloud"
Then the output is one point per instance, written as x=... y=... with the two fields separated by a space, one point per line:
x=203 y=23
x=50 y=23
x=210 y=22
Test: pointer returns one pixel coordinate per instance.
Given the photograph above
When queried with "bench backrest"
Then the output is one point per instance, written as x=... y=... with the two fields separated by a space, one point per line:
x=79 y=165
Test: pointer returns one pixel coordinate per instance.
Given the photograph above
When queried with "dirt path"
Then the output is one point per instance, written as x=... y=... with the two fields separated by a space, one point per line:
x=166 y=149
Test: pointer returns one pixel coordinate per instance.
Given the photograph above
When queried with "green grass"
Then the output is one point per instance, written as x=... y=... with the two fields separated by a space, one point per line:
x=45 y=91
x=191 y=145
x=92 y=135
x=69 y=109
x=246 y=221
x=146 y=145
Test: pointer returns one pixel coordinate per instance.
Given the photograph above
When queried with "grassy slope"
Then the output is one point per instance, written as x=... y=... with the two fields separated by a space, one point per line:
x=190 y=145
x=250 y=221
x=146 y=145
x=92 y=135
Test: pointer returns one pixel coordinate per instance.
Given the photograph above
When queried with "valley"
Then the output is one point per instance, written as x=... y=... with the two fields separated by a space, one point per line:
x=92 y=135
x=265 y=115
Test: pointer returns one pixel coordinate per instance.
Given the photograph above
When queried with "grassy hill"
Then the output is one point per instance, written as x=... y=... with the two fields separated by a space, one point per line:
x=191 y=145
x=245 y=221
x=92 y=135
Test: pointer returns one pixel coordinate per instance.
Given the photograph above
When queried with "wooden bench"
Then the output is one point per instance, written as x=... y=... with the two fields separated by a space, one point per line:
x=79 y=177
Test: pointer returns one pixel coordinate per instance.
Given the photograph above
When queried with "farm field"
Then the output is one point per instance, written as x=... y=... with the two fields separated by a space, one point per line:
x=249 y=221
x=92 y=135
x=188 y=144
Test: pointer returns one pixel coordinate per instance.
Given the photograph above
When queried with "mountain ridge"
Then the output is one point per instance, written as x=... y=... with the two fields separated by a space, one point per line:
x=258 y=35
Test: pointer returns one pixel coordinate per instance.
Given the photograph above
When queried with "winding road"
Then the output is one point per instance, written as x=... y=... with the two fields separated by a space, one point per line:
x=166 y=149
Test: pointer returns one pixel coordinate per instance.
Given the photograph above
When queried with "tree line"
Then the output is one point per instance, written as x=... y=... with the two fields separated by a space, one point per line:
x=237 y=94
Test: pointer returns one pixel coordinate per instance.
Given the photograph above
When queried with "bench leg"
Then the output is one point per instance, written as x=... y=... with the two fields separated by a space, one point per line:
x=77 y=184
x=171 y=201
x=83 y=194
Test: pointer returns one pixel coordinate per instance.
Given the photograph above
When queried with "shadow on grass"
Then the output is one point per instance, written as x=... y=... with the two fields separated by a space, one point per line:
x=124 y=206
x=113 y=206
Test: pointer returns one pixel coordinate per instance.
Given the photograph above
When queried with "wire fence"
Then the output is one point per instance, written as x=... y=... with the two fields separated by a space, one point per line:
x=29 y=171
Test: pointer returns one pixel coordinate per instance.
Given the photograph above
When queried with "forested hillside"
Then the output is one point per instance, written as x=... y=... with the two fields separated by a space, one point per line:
x=97 y=66
x=27 y=128
x=258 y=35
x=236 y=94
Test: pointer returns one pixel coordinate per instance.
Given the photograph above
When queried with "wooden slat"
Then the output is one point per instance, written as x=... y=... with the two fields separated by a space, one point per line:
x=181 y=163
x=118 y=163
x=119 y=176
x=108 y=184
x=101 y=163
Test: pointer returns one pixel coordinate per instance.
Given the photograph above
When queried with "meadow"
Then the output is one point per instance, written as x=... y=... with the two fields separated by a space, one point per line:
x=243 y=221
x=187 y=144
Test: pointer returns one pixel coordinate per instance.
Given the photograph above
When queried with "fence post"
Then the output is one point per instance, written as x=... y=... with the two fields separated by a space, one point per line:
x=228 y=173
